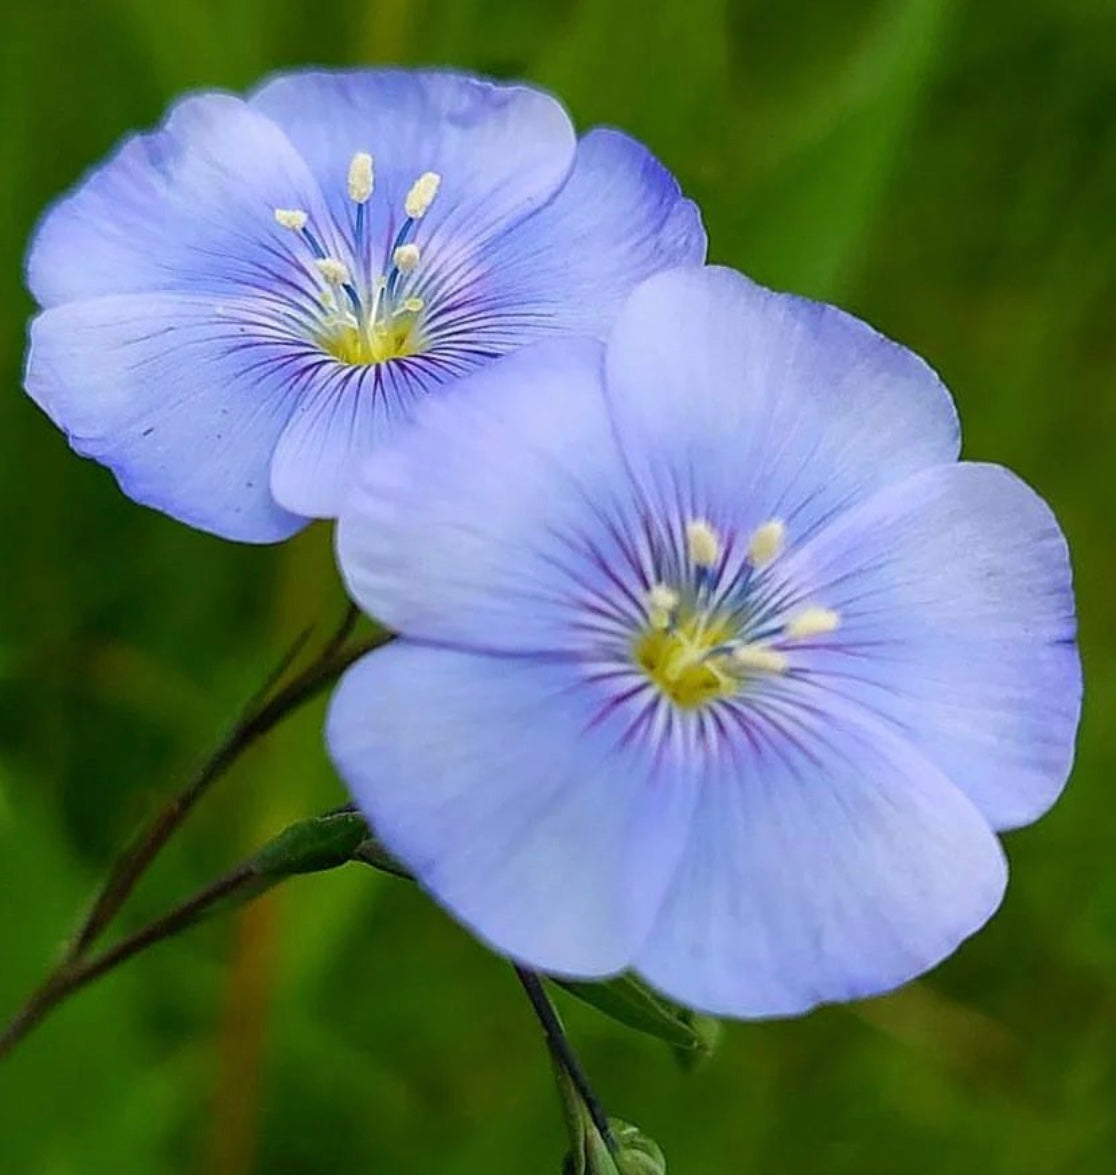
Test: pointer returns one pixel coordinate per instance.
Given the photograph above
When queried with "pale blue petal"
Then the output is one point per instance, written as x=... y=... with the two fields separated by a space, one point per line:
x=501 y=150
x=182 y=397
x=343 y=415
x=826 y=861
x=349 y=414
x=957 y=625
x=619 y=218
x=504 y=785
x=188 y=208
x=502 y=521
x=742 y=405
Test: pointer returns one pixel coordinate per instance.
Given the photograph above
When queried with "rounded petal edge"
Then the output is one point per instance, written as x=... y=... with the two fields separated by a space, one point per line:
x=958 y=628
x=832 y=866
x=158 y=388
x=186 y=207
x=467 y=531
x=489 y=778
x=791 y=409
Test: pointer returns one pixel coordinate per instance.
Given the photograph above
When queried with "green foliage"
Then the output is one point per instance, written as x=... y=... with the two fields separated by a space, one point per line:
x=638 y=1155
x=944 y=168
x=632 y=1003
x=310 y=846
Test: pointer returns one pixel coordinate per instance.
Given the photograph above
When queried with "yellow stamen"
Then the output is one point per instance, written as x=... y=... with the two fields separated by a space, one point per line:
x=767 y=542
x=422 y=194
x=335 y=272
x=293 y=218
x=661 y=604
x=683 y=662
x=406 y=257
x=812 y=621
x=702 y=543
x=759 y=658
x=360 y=177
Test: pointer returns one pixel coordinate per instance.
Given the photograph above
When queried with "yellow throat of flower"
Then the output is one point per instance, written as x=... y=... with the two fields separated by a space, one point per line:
x=365 y=319
x=684 y=662
x=396 y=338
x=695 y=649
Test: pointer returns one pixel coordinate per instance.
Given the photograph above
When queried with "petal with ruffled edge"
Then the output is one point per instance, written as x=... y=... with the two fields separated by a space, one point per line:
x=741 y=405
x=957 y=625
x=826 y=861
x=187 y=208
x=503 y=520
x=500 y=782
x=501 y=150
x=183 y=398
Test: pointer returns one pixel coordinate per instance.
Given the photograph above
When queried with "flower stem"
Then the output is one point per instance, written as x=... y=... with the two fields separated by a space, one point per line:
x=338 y=837
x=259 y=716
x=73 y=974
x=265 y=710
x=562 y=1052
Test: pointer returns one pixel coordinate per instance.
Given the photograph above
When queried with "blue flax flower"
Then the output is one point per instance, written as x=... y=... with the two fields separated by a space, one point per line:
x=240 y=306
x=715 y=663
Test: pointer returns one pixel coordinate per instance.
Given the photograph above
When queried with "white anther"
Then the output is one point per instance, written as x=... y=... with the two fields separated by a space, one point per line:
x=291 y=218
x=759 y=658
x=661 y=604
x=662 y=598
x=335 y=272
x=360 y=177
x=767 y=542
x=422 y=194
x=413 y=305
x=406 y=257
x=702 y=543
x=811 y=622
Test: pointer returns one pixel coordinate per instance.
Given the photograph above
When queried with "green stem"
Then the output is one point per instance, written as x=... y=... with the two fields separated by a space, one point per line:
x=564 y=1056
x=260 y=716
x=265 y=710
x=72 y=975
x=333 y=840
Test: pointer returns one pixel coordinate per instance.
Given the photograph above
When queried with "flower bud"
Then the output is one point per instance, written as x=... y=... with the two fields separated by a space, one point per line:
x=638 y=1154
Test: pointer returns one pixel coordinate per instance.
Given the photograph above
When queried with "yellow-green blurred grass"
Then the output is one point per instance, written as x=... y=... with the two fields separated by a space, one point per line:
x=944 y=168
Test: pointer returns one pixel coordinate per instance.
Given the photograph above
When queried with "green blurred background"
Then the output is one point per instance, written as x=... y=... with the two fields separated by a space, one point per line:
x=946 y=169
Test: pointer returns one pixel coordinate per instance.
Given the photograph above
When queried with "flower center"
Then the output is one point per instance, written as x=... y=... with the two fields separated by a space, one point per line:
x=377 y=344
x=702 y=642
x=368 y=318
x=684 y=660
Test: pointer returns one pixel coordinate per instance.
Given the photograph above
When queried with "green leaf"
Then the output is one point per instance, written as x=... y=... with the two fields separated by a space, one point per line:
x=633 y=1004
x=371 y=852
x=708 y=1031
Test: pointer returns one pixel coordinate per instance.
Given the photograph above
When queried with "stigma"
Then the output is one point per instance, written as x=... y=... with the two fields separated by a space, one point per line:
x=364 y=316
